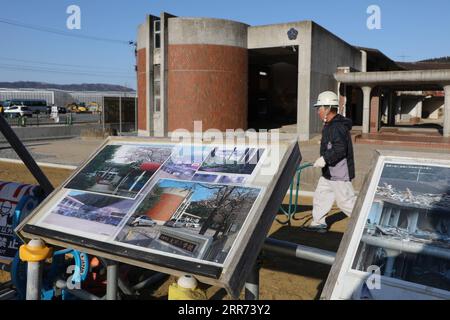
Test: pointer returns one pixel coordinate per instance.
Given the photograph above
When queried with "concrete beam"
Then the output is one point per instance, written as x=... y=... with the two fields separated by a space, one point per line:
x=447 y=112
x=416 y=77
x=366 y=108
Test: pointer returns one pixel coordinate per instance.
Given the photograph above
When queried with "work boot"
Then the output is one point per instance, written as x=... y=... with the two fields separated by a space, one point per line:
x=316 y=227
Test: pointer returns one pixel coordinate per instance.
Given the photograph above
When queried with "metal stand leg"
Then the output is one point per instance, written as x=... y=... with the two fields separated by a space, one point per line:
x=34 y=253
x=252 y=284
x=111 y=280
x=34 y=280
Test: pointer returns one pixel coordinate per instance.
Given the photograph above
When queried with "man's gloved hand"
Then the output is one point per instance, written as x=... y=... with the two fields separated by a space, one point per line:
x=320 y=163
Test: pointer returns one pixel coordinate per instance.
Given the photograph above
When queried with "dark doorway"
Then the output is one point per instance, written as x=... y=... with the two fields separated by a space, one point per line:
x=273 y=87
x=354 y=106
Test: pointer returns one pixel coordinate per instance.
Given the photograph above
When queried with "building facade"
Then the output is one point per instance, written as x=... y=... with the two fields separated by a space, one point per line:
x=230 y=75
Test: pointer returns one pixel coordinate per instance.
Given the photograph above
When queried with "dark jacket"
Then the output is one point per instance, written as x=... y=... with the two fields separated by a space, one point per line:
x=336 y=148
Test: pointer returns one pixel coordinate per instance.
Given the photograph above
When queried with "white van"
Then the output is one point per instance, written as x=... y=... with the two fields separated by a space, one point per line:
x=36 y=106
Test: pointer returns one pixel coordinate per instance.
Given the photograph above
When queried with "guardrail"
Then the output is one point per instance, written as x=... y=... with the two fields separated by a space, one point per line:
x=46 y=119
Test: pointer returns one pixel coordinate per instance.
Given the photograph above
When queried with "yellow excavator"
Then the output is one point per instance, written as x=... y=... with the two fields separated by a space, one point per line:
x=77 y=108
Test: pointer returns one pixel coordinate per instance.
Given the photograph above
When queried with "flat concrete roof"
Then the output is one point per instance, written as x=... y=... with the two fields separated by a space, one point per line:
x=416 y=77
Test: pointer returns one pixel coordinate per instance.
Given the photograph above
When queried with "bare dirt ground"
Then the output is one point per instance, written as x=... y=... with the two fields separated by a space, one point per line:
x=281 y=277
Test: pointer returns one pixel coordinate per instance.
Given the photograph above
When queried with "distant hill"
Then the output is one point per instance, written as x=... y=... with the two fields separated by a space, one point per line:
x=441 y=59
x=68 y=87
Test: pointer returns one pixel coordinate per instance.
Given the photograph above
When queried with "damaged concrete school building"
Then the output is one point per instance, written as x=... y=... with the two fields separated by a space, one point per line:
x=230 y=75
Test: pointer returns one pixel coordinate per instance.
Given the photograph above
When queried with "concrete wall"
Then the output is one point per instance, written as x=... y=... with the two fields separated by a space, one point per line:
x=207 y=31
x=50 y=132
x=271 y=36
x=328 y=53
x=207 y=74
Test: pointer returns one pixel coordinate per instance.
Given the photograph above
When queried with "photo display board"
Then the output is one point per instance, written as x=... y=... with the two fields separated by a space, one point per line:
x=199 y=209
x=397 y=245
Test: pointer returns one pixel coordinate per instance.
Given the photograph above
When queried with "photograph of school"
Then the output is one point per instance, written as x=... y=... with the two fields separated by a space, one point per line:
x=89 y=212
x=411 y=208
x=237 y=160
x=120 y=170
x=197 y=220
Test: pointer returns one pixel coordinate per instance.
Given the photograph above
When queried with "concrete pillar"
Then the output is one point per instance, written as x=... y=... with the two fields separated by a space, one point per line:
x=447 y=112
x=366 y=108
x=363 y=61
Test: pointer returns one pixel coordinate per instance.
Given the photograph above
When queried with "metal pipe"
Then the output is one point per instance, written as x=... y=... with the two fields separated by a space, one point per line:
x=407 y=246
x=79 y=293
x=111 y=281
x=124 y=287
x=299 y=251
x=34 y=276
x=149 y=281
x=25 y=156
x=8 y=295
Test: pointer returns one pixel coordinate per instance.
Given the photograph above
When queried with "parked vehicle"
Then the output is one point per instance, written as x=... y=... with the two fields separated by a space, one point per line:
x=36 y=106
x=143 y=221
x=18 y=111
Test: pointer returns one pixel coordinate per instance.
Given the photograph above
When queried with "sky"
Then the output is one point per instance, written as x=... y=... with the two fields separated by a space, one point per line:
x=410 y=31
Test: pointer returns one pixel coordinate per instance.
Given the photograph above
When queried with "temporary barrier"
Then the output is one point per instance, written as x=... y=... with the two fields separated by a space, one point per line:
x=14 y=196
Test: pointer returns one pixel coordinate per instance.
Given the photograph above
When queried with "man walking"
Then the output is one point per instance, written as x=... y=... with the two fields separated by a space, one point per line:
x=337 y=163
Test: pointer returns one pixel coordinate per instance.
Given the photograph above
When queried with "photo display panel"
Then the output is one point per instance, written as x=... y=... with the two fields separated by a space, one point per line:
x=165 y=203
x=400 y=237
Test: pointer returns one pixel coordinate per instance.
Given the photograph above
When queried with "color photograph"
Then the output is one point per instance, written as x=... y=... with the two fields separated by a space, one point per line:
x=89 y=212
x=232 y=179
x=120 y=170
x=411 y=208
x=184 y=162
x=236 y=160
x=205 y=177
x=197 y=220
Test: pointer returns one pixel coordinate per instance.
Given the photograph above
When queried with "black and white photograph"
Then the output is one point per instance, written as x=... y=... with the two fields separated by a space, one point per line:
x=120 y=170
x=192 y=219
x=411 y=210
x=89 y=212
x=234 y=160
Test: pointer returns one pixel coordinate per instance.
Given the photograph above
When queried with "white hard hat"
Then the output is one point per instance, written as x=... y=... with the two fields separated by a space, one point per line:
x=327 y=98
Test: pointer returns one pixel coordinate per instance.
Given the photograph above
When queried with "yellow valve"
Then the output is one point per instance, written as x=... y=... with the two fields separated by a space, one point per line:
x=34 y=251
x=186 y=289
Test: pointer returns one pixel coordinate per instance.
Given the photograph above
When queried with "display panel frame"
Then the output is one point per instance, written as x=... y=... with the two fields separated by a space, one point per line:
x=232 y=272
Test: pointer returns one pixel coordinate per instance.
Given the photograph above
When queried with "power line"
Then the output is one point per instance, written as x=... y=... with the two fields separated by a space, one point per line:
x=63 y=65
x=34 y=69
x=62 y=32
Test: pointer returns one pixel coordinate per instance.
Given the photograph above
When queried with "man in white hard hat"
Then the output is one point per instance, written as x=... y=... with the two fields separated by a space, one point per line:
x=336 y=161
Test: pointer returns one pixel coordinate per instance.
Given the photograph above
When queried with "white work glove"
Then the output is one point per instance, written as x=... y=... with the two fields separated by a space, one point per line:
x=320 y=163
